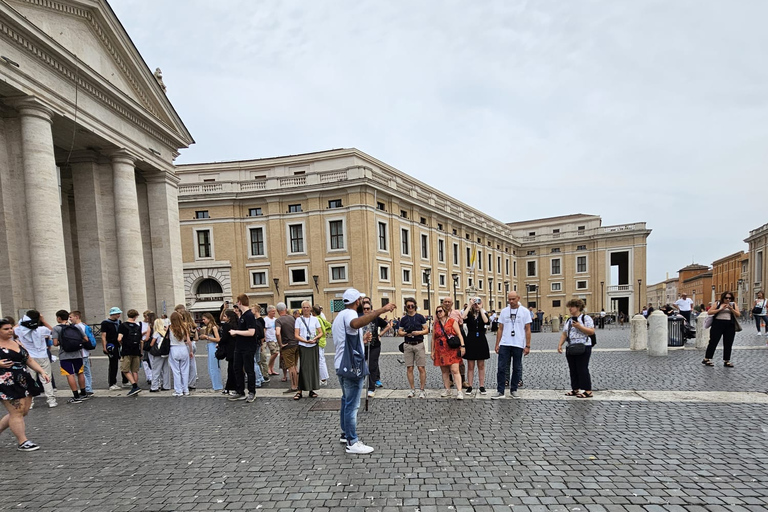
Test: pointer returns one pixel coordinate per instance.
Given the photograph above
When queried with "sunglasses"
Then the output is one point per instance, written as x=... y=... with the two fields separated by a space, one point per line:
x=366 y=309
x=439 y=311
x=728 y=297
x=409 y=306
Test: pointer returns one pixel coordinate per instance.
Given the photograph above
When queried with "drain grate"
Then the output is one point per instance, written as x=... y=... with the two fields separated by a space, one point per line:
x=327 y=405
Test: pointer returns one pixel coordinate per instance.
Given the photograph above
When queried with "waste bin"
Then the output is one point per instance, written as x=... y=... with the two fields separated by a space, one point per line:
x=555 y=324
x=675 y=328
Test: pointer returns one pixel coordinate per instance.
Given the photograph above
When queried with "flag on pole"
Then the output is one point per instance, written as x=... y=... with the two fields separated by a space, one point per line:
x=472 y=259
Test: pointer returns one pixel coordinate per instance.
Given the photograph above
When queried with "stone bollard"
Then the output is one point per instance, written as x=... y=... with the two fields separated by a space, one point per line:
x=555 y=324
x=638 y=333
x=657 y=334
x=702 y=334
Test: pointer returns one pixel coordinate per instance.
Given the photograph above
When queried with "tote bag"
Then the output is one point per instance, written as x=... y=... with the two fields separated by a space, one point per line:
x=353 y=364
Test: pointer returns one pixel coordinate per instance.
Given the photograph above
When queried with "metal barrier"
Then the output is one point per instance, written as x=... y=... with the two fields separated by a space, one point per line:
x=676 y=336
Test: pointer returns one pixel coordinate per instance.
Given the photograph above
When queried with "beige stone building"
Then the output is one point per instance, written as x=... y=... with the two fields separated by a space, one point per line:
x=88 y=190
x=756 y=273
x=309 y=226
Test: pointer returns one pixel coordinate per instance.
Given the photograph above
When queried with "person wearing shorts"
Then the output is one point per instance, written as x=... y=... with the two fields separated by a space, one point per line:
x=71 y=363
x=412 y=328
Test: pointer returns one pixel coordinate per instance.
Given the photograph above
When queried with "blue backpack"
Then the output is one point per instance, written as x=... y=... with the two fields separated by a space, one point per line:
x=91 y=338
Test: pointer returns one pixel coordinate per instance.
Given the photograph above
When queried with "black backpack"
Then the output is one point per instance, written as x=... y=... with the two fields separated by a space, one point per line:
x=131 y=343
x=70 y=338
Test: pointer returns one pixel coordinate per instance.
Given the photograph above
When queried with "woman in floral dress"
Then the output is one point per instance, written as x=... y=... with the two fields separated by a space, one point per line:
x=447 y=358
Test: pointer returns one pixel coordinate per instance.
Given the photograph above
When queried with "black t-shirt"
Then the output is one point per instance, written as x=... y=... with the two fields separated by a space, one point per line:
x=131 y=344
x=413 y=323
x=249 y=343
x=373 y=328
x=109 y=328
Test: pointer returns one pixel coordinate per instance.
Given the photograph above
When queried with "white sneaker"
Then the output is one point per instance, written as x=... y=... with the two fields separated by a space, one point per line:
x=114 y=387
x=359 y=448
x=371 y=394
x=459 y=395
x=498 y=396
x=445 y=393
x=422 y=394
x=411 y=393
x=52 y=404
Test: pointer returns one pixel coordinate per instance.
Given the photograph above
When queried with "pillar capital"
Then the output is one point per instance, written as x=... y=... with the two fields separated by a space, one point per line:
x=85 y=156
x=162 y=176
x=122 y=156
x=32 y=107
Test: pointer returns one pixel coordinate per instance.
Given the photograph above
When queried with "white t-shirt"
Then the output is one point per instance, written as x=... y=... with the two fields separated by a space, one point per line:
x=575 y=335
x=522 y=317
x=684 y=304
x=34 y=341
x=302 y=323
x=269 y=329
x=340 y=328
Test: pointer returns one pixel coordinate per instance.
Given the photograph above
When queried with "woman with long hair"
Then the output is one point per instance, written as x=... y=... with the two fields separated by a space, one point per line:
x=762 y=316
x=444 y=356
x=194 y=335
x=228 y=323
x=181 y=354
x=725 y=313
x=161 y=371
x=307 y=332
x=147 y=329
x=210 y=333
x=17 y=387
x=475 y=318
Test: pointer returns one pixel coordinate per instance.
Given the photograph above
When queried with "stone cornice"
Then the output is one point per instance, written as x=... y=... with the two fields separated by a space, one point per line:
x=31 y=106
x=85 y=78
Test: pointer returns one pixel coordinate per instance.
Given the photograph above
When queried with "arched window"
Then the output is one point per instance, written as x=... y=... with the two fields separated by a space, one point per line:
x=209 y=286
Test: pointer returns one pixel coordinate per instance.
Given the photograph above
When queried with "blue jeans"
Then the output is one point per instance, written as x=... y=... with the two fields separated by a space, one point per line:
x=505 y=354
x=213 y=368
x=350 y=403
x=87 y=373
x=257 y=369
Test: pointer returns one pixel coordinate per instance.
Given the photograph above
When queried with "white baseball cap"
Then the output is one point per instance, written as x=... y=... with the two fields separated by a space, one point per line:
x=352 y=295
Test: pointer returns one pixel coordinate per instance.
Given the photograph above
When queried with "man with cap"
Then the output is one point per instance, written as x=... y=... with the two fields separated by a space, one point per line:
x=110 y=345
x=349 y=323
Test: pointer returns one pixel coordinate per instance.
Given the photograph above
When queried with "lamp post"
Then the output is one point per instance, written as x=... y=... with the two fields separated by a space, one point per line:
x=455 y=285
x=427 y=273
x=639 y=296
x=276 y=280
x=602 y=296
x=538 y=306
x=315 y=278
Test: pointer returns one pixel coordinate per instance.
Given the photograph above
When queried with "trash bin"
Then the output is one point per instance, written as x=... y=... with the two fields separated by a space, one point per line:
x=675 y=328
x=555 y=324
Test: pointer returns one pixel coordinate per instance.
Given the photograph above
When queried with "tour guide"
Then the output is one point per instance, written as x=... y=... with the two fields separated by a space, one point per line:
x=348 y=323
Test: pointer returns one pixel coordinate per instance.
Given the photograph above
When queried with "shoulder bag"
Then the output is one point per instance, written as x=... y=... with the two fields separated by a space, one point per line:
x=352 y=364
x=758 y=310
x=452 y=340
x=573 y=349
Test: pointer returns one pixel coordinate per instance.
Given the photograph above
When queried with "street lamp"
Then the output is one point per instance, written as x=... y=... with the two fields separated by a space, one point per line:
x=602 y=296
x=639 y=297
x=490 y=291
x=277 y=285
x=315 y=278
x=527 y=296
x=427 y=273
x=455 y=285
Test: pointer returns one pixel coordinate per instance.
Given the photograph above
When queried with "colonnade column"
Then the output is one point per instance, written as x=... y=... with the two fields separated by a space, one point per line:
x=162 y=194
x=47 y=256
x=130 y=255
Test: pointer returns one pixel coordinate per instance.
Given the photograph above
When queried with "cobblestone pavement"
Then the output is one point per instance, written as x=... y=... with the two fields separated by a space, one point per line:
x=158 y=453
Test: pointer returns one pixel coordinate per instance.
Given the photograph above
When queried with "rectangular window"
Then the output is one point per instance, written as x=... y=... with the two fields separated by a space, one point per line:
x=479 y=284
x=254 y=212
x=581 y=228
x=296 y=232
x=498 y=265
x=404 y=214
x=469 y=282
x=424 y=247
x=479 y=260
x=406 y=250
x=406 y=275
x=555 y=231
x=555 y=303
x=338 y=273
x=455 y=232
x=334 y=203
x=556 y=266
x=531 y=253
x=258 y=279
x=381 y=206
x=202 y=214
x=531 y=268
x=469 y=257
x=581 y=247
x=298 y=275
x=531 y=233
x=440 y=251
x=581 y=264
x=490 y=263
x=514 y=269
x=581 y=285
x=336 y=230
x=294 y=208
x=423 y=221
x=382 y=236
x=555 y=249
x=384 y=273
x=556 y=287
x=439 y=227
x=456 y=254
x=204 y=243
x=257 y=241
x=442 y=280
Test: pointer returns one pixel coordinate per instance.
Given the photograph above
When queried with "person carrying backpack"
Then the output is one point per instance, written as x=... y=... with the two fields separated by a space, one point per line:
x=129 y=337
x=578 y=331
x=71 y=339
x=76 y=320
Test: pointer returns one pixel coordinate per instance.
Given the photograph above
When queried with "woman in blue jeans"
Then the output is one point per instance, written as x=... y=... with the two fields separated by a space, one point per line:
x=576 y=332
x=210 y=334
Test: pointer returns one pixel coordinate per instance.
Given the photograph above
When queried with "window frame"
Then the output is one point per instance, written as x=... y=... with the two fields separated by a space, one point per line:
x=405 y=241
x=410 y=275
x=556 y=286
x=585 y=287
x=298 y=267
x=263 y=229
x=332 y=266
x=528 y=268
x=424 y=246
x=387 y=279
x=586 y=264
x=196 y=242
x=288 y=240
x=264 y=271
x=329 y=237
x=552 y=266
x=379 y=224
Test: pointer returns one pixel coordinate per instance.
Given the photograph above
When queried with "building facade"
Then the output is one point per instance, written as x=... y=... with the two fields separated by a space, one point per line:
x=88 y=190
x=757 y=273
x=309 y=226
x=726 y=275
x=696 y=282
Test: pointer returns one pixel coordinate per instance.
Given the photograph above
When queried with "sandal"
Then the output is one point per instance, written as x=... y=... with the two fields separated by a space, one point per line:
x=312 y=394
x=572 y=393
x=297 y=396
x=728 y=364
x=284 y=379
x=586 y=394
x=707 y=362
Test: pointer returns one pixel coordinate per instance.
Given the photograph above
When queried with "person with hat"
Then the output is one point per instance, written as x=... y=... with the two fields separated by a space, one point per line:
x=347 y=328
x=110 y=345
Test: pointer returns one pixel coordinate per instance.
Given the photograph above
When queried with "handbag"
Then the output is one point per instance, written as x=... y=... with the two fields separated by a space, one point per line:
x=758 y=310
x=352 y=365
x=452 y=340
x=575 y=349
x=221 y=351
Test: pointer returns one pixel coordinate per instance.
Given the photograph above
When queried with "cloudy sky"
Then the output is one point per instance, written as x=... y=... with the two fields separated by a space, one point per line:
x=653 y=110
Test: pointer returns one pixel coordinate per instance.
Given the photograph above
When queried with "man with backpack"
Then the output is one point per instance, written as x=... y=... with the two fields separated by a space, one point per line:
x=76 y=320
x=129 y=337
x=70 y=339
x=110 y=345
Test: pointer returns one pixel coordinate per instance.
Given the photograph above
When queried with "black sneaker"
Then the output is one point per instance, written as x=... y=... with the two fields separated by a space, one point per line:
x=74 y=401
x=469 y=389
x=251 y=397
x=89 y=394
x=28 y=446
x=84 y=396
x=134 y=391
x=237 y=397
x=154 y=390
x=482 y=390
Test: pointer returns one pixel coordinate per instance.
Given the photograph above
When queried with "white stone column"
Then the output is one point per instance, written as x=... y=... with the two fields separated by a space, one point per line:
x=702 y=334
x=130 y=252
x=658 y=334
x=47 y=258
x=168 y=267
x=638 y=333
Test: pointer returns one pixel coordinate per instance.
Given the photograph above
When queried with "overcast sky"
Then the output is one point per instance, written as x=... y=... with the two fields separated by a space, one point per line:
x=652 y=111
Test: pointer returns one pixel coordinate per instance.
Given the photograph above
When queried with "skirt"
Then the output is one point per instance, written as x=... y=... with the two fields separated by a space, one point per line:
x=17 y=383
x=309 y=368
x=476 y=347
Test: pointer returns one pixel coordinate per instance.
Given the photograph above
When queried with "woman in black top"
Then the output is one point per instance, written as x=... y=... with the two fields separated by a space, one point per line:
x=229 y=322
x=475 y=319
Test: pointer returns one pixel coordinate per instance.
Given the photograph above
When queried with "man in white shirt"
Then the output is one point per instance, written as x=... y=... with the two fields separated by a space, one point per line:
x=347 y=323
x=684 y=306
x=513 y=341
x=32 y=331
x=271 y=339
